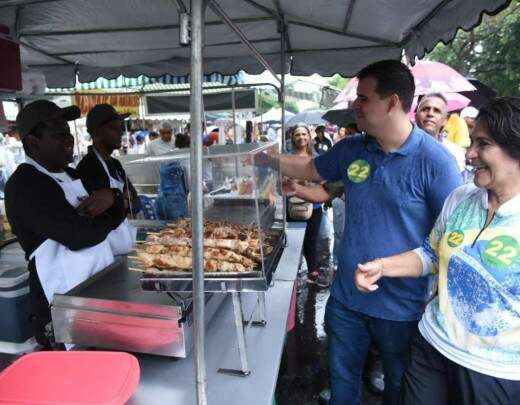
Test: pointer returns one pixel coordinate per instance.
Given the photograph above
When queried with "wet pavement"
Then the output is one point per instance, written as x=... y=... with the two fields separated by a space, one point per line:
x=304 y=371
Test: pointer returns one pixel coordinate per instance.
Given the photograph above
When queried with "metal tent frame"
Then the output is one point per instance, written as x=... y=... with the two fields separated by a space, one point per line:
x=197 y=24
x=420 y=32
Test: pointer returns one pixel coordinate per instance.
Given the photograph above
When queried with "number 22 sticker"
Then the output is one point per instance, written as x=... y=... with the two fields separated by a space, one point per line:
x=455 y=238
x=501 y=251
x=358 y=171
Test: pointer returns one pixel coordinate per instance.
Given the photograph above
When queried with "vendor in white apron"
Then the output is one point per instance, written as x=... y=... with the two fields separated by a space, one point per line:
x=99 y=170
x=63 y=230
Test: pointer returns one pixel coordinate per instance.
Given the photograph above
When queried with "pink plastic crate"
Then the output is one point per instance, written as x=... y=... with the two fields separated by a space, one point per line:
x=79 y=378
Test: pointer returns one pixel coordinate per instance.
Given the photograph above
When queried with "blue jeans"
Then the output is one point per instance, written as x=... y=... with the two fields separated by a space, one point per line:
x=171 y=207
x=349 y=336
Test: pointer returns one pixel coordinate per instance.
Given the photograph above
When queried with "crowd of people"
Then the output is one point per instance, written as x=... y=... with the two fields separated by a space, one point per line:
x=426 y=259
x=428 y=262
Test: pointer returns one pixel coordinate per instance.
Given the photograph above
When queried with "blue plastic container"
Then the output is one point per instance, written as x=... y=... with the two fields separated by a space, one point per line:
x=15 y=325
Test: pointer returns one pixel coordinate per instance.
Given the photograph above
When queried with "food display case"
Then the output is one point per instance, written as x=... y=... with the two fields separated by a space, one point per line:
x=244 y=221
x=244 y=236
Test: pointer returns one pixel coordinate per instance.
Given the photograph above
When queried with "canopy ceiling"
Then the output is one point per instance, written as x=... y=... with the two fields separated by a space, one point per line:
x=99 y=38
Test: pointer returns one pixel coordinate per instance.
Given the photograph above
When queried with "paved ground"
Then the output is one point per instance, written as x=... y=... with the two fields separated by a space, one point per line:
x=303 y=372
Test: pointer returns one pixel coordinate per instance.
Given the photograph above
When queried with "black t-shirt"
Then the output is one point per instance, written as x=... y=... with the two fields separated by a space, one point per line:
x=94 y=177
x=37 y=210
x=322 y=146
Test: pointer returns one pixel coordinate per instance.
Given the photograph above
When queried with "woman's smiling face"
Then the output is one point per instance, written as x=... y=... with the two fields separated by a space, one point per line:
x=301 y=137
x=494 y=168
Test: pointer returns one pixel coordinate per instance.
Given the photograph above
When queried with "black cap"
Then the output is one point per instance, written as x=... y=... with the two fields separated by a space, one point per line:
x=40 y=111
x=101 y=114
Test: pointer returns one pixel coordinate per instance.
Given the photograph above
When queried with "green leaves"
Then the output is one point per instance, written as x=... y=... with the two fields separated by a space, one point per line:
x=490 y=52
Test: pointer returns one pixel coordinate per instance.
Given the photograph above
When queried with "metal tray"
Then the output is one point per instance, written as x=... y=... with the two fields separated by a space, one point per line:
x=109 y=310
x=221 y=194
x=220 y=282
x=134 y=265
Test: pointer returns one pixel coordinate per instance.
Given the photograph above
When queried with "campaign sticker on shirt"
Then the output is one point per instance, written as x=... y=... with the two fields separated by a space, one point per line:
x=501 y=251
x=455 y=238
x=358 y=171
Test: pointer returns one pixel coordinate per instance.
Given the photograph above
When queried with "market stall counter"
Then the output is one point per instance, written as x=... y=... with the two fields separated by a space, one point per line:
x=170 y=380
x=167 y=381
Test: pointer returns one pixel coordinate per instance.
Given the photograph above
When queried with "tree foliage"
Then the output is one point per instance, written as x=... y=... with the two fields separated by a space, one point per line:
x=338 y=81
x=490 y=52
x=266 y=101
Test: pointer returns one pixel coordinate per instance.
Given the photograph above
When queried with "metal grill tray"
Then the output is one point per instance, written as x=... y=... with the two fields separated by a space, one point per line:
x=219 y=282
x=134 y=265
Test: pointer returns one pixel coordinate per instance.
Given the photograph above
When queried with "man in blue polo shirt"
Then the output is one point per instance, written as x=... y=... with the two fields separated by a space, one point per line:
x=396 y=179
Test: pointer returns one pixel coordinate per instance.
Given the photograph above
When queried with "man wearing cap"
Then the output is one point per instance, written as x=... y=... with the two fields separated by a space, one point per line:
x=98 y=169
x=165 y=143
x=139 y=146
x=62 y=229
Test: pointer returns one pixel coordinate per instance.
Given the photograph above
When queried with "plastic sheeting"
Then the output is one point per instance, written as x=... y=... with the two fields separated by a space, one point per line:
x=97 y=38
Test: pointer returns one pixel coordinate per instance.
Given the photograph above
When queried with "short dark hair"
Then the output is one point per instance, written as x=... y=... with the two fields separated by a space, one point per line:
x=393 y=77
x=353 y=126
x=182 y=140
x=501 y=116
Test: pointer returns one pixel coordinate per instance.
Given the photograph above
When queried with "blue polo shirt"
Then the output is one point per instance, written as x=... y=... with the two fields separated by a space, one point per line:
x=391 y=203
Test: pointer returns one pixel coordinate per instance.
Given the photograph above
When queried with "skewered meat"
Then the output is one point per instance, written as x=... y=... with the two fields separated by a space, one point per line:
x=227 y=247
x=209 y=253
x=184 y=263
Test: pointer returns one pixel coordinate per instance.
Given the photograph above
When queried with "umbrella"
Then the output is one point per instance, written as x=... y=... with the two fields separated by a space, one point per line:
x=436 y=77
x=481 y=95
x=455 y=101
x=312 y=117
x=340 y=115
x=430 y=77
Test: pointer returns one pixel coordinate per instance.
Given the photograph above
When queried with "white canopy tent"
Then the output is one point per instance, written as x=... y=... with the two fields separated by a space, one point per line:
x=273 y=115
x=66 y=39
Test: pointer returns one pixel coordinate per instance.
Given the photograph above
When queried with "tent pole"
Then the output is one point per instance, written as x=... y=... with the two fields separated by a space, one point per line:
x=197 y=25
x=282 y=83
x=77 y=140
x=234 y=116
x=282 y=105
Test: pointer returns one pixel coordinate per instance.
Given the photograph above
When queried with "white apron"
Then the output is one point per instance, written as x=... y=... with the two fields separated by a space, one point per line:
x=59 y=268
x=122 y=239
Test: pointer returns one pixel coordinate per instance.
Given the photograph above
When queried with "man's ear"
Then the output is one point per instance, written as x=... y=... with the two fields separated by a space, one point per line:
x=31 y=143
x=393 y=102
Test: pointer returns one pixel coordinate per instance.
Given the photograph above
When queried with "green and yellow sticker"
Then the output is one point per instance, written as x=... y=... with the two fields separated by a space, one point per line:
x=501 y=251
x=358 y=171
x=455 y=238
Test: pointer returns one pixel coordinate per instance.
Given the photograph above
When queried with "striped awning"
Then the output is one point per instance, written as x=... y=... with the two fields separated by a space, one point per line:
x=145 y=83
